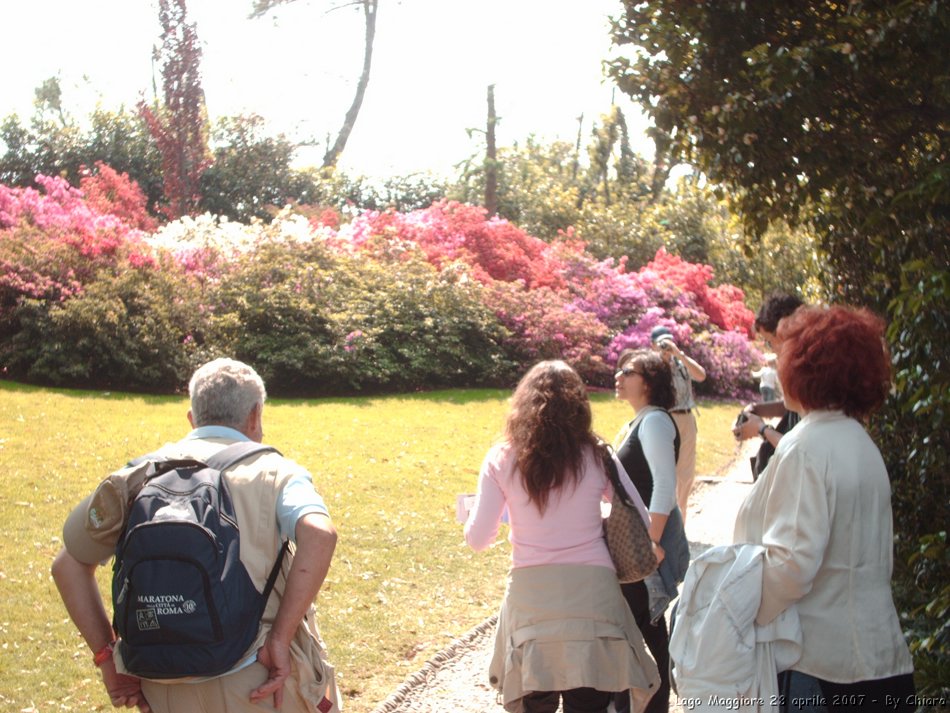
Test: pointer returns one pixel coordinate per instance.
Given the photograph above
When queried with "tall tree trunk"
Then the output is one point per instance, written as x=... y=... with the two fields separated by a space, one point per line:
x=577 y=148
x=491 y=162
x=661 y=167
x=333 y=153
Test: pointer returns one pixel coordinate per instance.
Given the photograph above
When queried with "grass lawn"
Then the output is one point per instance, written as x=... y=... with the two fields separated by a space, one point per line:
x=402 y=585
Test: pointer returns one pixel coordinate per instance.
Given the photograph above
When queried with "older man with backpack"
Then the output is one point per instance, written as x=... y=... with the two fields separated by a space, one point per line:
x=221 y=546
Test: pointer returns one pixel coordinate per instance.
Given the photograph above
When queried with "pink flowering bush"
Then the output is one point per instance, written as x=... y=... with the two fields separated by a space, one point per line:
x=92 y=292
x=552 y=300
x=542 y=325
x=109 y=192
x=724 y=305
x=728 y=358
x=448 y=231
x=52 y=242
x=83 y=299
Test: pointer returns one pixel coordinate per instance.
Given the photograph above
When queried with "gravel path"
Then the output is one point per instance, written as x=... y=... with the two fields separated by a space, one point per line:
x=456 y=679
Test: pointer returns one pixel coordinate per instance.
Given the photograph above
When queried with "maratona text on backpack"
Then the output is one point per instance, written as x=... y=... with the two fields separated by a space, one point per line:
x=183 y=602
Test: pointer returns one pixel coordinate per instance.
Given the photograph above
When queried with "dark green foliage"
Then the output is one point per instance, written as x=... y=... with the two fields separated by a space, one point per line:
x=119 y=139
x=405 y=193
x=317 y=323
x=251 y=174
x=331 y=188
x=124 y=331
x=275 y=313
x=46 y=147
x=837 y=114
x=928 y=620
x=914 y=437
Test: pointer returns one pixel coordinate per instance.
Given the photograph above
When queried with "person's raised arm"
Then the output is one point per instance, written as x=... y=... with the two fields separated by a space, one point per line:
x=316 y=539
x=76 y=582
x=693 y=367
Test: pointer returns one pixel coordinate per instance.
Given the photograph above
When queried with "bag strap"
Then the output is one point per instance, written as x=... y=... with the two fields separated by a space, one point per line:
x=610 y=467
x=230 y=456
x=222 y=460
x=235 y=453
x=272 y=577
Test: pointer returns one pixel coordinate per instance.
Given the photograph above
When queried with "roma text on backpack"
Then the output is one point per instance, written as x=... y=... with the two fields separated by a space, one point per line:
x=183 y=603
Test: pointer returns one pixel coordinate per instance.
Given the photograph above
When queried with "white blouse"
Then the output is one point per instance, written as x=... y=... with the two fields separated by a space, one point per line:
x=822 y=509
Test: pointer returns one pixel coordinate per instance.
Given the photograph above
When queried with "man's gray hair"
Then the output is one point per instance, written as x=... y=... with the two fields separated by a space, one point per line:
x=224 y=392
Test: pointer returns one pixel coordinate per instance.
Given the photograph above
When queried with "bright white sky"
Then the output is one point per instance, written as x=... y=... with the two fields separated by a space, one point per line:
x=298 y=67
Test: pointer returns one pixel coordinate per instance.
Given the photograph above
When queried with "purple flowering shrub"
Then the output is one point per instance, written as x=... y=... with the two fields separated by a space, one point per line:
x=728 y=358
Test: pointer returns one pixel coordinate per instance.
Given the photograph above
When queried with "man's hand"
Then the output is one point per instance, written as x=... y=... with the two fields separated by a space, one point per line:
x=316 y=540
x=77 y=586
x=749 y=428
x=275 y=656
x=124 y=691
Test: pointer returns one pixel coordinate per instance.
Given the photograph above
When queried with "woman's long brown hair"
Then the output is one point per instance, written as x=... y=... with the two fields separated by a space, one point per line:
x=550 y=426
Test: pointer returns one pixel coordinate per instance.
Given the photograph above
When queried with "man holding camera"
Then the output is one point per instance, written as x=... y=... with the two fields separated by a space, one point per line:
x=685 y=371
x=752 y=421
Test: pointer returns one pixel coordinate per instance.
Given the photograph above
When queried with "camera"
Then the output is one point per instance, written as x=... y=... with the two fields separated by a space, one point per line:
x=740 y=419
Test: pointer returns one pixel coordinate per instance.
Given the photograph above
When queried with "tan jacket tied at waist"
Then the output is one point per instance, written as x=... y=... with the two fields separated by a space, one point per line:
x=567 y=626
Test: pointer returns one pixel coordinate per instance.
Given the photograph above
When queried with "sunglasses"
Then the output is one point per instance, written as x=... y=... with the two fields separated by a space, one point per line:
x=628 y=371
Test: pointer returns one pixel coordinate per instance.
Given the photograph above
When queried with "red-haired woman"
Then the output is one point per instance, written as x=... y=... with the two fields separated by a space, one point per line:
x=822 y=510
x=564 y=630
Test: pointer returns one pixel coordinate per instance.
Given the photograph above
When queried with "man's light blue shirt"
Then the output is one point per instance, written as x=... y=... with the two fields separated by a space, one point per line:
x=298 y=498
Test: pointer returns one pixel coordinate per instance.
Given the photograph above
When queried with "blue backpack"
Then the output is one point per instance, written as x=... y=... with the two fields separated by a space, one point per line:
x=183 y=602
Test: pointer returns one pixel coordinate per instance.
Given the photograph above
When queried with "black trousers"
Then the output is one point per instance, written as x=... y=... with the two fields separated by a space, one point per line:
x=800 y=693
x=657 y=639
x=576 y=700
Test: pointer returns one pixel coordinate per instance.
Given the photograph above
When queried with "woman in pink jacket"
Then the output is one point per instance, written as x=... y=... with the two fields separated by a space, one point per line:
x=564 y=630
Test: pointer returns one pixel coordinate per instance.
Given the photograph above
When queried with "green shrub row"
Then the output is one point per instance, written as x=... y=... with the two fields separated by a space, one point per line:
x=312 y=322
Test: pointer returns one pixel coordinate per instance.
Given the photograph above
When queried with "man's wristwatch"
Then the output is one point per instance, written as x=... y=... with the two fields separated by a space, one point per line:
x=762 y=429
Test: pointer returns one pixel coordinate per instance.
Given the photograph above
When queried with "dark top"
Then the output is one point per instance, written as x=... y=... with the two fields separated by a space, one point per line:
x=764 y=454
x=635 y=463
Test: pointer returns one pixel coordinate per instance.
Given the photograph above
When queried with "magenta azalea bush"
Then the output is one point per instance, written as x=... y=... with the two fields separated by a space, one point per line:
x=93 y=294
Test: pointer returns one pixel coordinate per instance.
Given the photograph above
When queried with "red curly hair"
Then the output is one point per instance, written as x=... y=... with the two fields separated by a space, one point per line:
x=835 y=358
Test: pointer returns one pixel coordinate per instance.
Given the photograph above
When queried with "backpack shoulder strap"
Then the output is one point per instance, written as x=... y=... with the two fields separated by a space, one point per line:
x=224 y=459
x=155 y=457
x=235 y=453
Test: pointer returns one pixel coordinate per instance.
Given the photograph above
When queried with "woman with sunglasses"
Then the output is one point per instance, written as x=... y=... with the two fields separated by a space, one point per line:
x=647 y=448
x=564 y=630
